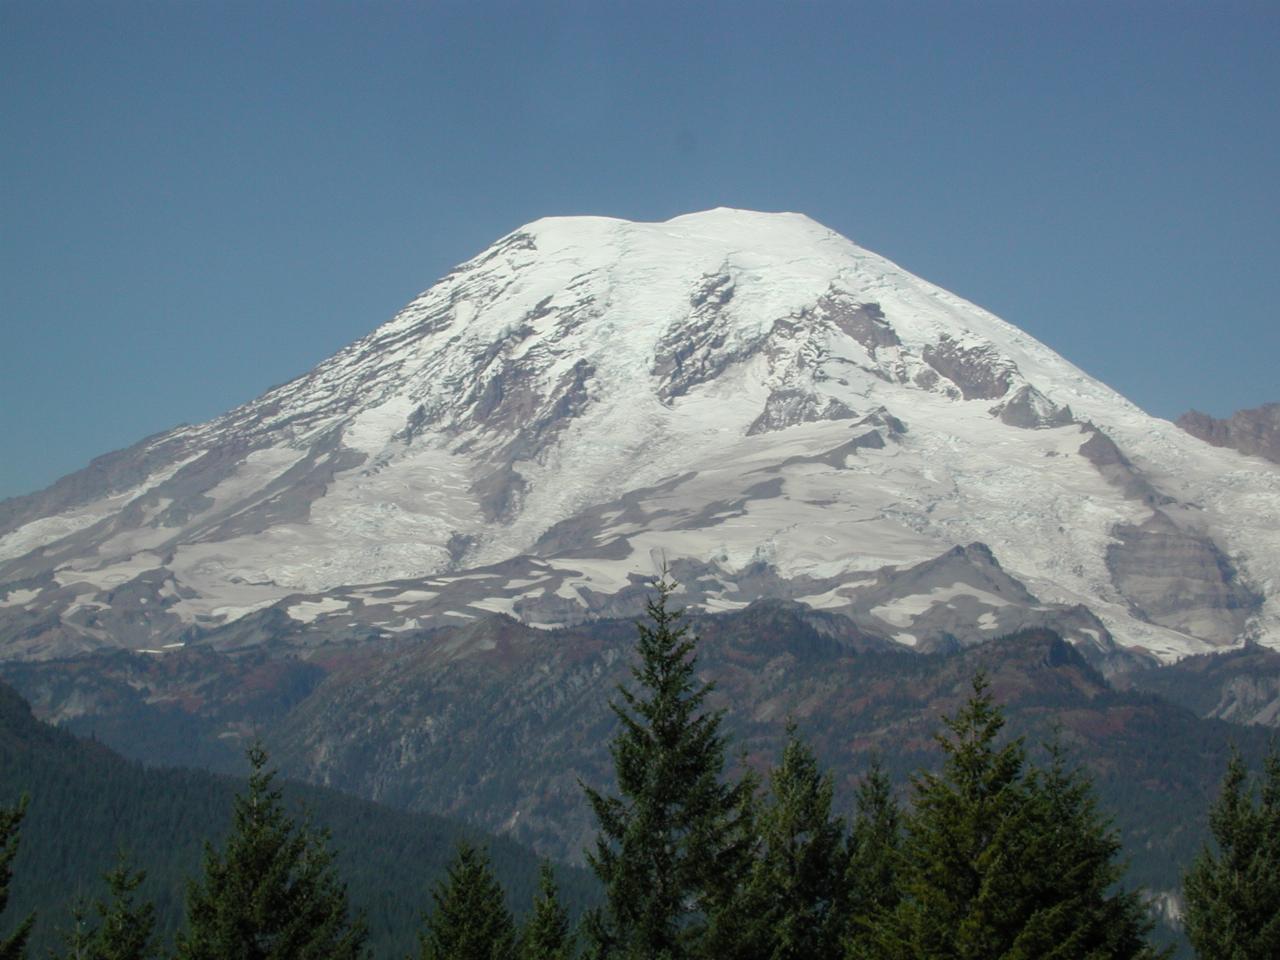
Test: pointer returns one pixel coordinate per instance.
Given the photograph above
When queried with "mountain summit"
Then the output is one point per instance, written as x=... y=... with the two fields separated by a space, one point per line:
x=750 y=398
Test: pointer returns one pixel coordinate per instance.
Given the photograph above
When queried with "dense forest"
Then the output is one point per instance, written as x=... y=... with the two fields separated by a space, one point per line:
x=1003 y=851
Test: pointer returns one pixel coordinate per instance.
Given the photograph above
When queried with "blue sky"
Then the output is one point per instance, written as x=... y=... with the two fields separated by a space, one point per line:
x=201 y=200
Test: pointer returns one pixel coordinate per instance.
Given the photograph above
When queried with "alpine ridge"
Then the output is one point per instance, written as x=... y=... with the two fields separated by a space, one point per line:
x=749 y=398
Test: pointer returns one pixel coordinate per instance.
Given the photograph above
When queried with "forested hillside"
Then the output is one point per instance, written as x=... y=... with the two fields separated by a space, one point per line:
x=86 y=803
x=495 y=722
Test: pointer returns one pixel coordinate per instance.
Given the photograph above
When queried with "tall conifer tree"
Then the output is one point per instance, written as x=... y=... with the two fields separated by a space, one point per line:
x=469 y=920
x=873 y=873
x=672 y=844
x=1006 y=863
x=272 y=893
x=792 y=903
x=1068 y=891
x=123 y=930
x=1233 y=895
x=546 y=934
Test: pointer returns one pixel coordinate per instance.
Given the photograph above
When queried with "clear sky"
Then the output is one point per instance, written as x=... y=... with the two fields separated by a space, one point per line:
x=200 y=200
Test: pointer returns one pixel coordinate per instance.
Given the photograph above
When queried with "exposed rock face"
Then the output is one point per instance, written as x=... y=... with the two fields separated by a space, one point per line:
x=865 y=322
x=1180 y=580
x=980 y=372
x=499 y=494
x=1255 y=432
x=1102 y=452
x=1032 y=410
x=693 y=352
x=786 y=408
x=1253 y=700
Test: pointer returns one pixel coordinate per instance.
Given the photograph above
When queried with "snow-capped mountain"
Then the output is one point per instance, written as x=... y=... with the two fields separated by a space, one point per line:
x=752 y=399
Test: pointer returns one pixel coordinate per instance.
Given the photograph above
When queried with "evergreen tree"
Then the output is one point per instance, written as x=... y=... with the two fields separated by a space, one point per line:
x=273 y=892
x=672 y=846
x=1069 y=895
x=470 y=920
x=874 y=869
x=791 y=906
x=1233 y=896
x=546 y=934
x=124 y=930
x=1003 y=862
x=13 y=947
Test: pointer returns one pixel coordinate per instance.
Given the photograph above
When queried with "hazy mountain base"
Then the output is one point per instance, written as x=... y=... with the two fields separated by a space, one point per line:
x=87 y=802
x=498 y=722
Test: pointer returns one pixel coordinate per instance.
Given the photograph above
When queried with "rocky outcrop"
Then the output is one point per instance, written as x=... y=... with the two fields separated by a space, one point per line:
x=979 y=371
x=787 y=408
x=1176 y=578
x=499 y=493
x=865 y=322
x=1032 y=410
x=1255 y=432
x=1102 y=452
x=694 y=352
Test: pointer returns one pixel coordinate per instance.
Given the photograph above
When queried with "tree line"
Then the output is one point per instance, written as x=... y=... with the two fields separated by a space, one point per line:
x=995 y=857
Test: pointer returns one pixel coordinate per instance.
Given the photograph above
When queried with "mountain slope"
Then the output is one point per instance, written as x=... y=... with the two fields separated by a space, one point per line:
x=751 y=394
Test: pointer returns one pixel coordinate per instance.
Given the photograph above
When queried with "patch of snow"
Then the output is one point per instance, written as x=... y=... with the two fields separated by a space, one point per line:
x=831 y=599
x=495 y=604
x=372 y=429
x=904 y=610
x=111 y=575
x=307 y=611
x=519 y=584
x=408 y=597
x=722 y=604
x=409 y=624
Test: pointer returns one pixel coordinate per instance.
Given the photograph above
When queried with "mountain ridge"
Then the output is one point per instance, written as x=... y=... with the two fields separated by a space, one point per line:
x=1254 y=432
